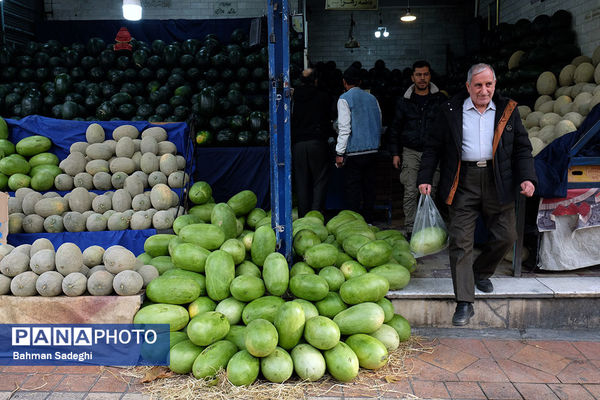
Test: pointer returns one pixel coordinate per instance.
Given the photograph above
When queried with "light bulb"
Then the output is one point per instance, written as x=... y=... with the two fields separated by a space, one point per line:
x=377 y=34
x=132 y=10
x=386 y=33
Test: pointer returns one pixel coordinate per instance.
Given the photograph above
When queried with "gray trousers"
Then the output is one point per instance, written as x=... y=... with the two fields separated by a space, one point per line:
x=475 y=195
x=411 y=161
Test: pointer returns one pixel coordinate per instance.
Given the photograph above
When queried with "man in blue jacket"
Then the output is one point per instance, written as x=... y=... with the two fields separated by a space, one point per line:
x=485 y=161
x=359 y=124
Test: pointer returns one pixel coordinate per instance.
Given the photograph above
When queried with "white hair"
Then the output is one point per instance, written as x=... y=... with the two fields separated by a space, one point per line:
x=477 y=68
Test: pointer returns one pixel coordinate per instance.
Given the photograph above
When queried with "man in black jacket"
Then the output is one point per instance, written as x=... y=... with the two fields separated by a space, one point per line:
x=485 y=158
x=414 y=115
x=312 y=115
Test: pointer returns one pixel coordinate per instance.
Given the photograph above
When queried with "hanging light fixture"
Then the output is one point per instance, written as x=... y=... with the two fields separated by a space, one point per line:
x=408 y=17
x=132 y=10
x=381 y=30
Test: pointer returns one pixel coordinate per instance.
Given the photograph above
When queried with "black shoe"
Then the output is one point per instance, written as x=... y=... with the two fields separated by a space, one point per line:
x=462 y=315
x=485 y=285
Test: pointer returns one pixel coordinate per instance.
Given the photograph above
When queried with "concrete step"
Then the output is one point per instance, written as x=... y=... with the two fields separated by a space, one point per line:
x=516 y=303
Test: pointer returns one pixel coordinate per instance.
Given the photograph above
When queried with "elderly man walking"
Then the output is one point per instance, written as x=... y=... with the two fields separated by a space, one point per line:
x=485 y=160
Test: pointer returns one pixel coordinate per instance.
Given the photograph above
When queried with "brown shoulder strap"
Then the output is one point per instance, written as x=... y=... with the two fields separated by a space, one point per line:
x=510 y=107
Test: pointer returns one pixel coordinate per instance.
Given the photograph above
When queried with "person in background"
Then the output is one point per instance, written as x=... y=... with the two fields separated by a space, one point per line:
x=485 y=159
x=359 y=131
x=413 y=117
x=311 y=127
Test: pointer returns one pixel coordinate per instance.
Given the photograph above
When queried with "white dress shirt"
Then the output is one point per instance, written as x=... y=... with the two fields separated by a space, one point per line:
x=478 y=131
x=344 y=125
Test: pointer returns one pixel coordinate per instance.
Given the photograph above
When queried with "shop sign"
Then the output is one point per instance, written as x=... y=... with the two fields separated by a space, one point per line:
x=351 y=4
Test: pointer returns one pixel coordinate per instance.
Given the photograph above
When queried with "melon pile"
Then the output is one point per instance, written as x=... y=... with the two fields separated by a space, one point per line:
x=81 y=210
x=103 y=164
x=32 y=269
x=233 y=303
x=564 y=101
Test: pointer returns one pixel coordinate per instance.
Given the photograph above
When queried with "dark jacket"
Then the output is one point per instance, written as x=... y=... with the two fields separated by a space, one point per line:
x=413 y=119
x=512 y=162
x=311 y=114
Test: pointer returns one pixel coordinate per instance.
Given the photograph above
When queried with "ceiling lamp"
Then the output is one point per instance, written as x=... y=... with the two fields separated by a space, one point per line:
x=408 y=17
x=381 y=31
x=132 y=10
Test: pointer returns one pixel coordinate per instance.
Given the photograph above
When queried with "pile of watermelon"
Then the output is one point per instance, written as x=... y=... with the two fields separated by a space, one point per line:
x=233 y=303
x=221 y=87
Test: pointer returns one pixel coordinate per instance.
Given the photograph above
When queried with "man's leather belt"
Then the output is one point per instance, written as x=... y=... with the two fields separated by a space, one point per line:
x=480 y=164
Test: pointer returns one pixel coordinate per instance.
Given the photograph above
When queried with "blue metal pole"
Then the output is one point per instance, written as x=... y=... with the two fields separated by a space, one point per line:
x=279 y=124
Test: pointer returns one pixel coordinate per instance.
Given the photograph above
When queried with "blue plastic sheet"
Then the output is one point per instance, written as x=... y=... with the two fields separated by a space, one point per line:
x=130 y=239
x=230 y=170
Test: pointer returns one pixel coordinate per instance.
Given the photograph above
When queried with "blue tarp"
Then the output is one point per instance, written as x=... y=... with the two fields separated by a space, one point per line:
x=552 y=163
x=63 y=133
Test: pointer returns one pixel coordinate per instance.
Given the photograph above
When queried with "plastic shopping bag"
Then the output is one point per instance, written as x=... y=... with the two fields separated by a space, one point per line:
x=429 y=231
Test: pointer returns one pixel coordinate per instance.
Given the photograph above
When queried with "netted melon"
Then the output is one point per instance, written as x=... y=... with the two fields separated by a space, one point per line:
x=118 y=258
x=166 y=147
x=23 y=248
x=78 y=147
x=546 y=83
x=95 y=166
x=118 y=222
x=40 y=244
x=589 y=87
x=14 y=263
x=563 y=91
x=515 y=59
x=92 y=256
x=158 y=133
x=597 y=75
x=99 y=267
x=74 y=221
x=101 y=203
x=96 y=223
x=74 y=284
x=180 y=162
x=160 y=196
x=125 y=147
x=541 y=100
x=95 y=133
x=133 y=185
x=142 y=176
x=148 y=145
x=149 y=163
x=102 y=181
x=29 y=202
x=24 y=284
x=49 y=284
x=148 y=273
x=559 y=102
x=33 y=223
x=83 y=180
x=22 y=192
x=546 y=134
x=563 y=127
x=68 y=258
x=15 y=205
x=63 y=182
x=80 y=200
x=100 y=283
x=127 y=283
x=122 y=164
x=565 y=78
x=577 y=61
x=549 y=119
x=140 y=220
x=42 y=261
x=141 y=202
x=574 y=117
x=537 y=144
x=73 y=164
x=163 y=219
x=121 y=200
x=523 y=112
x=178 y=179
x=577 y=89
x=584 y=73
x=547 y=107
x=168 y=164
x=125 y=131
x=51 y=206
x=54 y=224
x=137 y=158
x=5 y=285
x=533 y=131
x=15 y=223
x=156 y=178
x=596 y=56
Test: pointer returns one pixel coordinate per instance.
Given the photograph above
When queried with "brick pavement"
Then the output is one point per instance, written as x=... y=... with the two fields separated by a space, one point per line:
x=452 y=368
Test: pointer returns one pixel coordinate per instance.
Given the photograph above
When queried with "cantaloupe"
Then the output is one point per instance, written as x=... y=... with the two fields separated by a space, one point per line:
x=127 y=283
x=68 y=258
x=559 y=102
x=100 y=283
x=584 y=73
x=159 y=134
x=14 y=263
x=118 y=258
x=563 y=127
x=49 y=284
x=74 y=284
x=40 y=244
x=549 y=119
x=125 y=147
x=125 y=130
x=24 y=284
x=95 y=133
x=546 y=83
x=577 y=61
x=575 y=118
x=33 y=223
x=515 y=59
x=566 y=75
x=524 y=111
x=537 y=144
x=54 y=224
